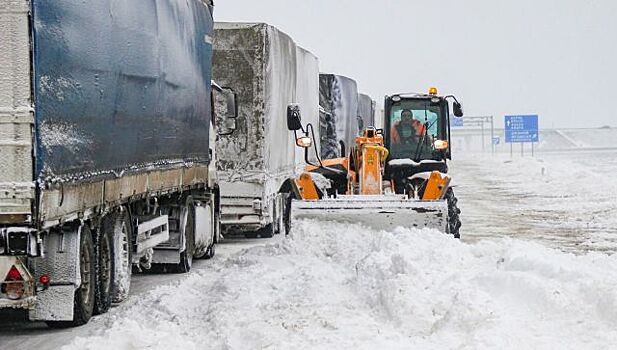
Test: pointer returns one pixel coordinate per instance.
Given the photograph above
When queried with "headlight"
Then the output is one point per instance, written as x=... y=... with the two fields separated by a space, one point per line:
x=304 y=141
x=440 y=144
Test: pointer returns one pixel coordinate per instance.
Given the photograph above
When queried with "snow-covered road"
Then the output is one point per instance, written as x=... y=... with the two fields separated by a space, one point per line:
x=534 y=270
x=563 y=200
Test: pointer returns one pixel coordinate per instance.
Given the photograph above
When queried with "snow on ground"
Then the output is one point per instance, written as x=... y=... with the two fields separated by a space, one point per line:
x=564 y=200
x=342 y=286
x=535 y=268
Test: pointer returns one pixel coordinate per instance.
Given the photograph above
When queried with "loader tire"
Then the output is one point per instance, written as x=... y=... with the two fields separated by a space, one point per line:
x=454 y=221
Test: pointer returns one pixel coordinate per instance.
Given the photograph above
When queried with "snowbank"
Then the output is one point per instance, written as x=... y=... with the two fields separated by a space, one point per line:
x=347 y=287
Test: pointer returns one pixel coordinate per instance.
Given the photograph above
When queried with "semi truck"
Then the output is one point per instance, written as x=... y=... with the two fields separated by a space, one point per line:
x=107 y=149
x=268 y=72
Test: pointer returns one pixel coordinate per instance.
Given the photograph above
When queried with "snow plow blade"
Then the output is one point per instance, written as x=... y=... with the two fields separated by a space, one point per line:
x=376 y=211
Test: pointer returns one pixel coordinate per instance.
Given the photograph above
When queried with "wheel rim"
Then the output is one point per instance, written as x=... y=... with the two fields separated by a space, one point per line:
x=86 y=273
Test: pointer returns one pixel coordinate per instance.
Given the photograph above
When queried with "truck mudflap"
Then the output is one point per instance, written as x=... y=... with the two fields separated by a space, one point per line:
x=381 y=212
x=17 y=286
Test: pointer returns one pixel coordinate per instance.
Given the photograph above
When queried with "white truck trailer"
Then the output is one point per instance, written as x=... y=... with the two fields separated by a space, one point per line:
x=268 y=72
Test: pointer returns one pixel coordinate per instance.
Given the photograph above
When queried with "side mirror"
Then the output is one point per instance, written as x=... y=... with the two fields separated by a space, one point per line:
x=458 y=109
x=294 y=121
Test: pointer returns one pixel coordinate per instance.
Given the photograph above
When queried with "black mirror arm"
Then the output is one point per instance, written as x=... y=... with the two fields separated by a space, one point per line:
x=452 y=97
x=309 y=128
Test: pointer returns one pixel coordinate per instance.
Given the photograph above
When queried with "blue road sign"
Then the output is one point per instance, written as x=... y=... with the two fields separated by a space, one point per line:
x=521 y=128
x=456 y=121
x=496 y=140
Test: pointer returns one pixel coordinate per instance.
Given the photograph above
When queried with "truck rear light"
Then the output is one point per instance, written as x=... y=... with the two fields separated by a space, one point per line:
x=13 y=275
x=44 y=279
x=13 y=285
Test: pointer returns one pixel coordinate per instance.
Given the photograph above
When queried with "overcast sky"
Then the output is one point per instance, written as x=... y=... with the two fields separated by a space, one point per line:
x=555 y=58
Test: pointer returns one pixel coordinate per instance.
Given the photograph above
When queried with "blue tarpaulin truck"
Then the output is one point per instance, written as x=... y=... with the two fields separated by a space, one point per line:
x=107 y=156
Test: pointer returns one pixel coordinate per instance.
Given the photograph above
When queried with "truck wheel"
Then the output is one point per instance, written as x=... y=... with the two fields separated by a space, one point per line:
x=217 y=229
x=186 y=257
x=280 y=220
x=287 y=214
x=118 y=227
x=267 y=231
x=104 y=270
x=454 y=221
x=210 y=251
x=83 y=306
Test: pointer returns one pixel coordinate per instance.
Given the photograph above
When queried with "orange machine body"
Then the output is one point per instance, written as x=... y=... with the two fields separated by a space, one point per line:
x=370 y=155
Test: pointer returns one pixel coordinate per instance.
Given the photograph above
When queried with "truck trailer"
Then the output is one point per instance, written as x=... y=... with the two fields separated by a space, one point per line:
x=366 y=111
x=268 y=72
x=107 y=152
x=339 y=125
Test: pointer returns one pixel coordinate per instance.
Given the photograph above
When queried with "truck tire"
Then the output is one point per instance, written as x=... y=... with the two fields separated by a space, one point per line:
x=267 y=231
x=186 y=257
x=104 y=268
x=454 y=221
x=280 y=220
x=119 y=229
x=287 y=213
x=83 y=306
x=210 y=251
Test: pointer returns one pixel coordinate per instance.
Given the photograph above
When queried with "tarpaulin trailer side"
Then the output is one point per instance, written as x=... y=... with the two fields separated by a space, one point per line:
x=120 y=85
x=366 y=111
x=307 y=97
x=268 y=72
x=338 y=95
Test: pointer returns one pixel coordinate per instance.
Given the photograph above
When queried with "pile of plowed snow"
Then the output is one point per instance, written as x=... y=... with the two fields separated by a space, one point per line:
x=337 y=286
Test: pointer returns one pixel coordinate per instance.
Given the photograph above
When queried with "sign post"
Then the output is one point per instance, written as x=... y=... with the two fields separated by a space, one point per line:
x=521 y=129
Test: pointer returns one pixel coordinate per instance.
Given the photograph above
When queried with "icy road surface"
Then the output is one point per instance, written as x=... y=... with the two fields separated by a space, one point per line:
x=535 y=270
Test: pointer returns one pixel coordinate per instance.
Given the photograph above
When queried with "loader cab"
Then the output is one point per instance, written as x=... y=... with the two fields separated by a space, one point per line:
x=417 y=133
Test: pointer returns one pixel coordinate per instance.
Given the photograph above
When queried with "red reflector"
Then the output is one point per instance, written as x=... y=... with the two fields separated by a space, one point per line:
x=44 y=279
x=13 y=275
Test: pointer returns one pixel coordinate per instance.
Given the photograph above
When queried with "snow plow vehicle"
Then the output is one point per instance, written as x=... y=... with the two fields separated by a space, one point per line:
x=389 y=179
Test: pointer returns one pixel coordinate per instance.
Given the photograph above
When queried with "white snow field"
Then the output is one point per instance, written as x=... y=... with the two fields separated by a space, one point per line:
x=535 y=269
x=337 y=286
x=564 y=200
